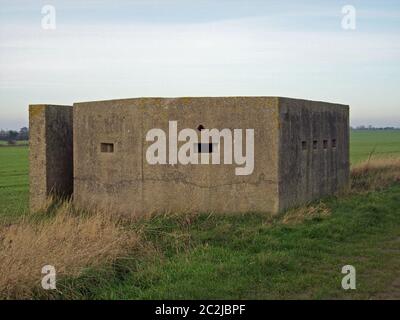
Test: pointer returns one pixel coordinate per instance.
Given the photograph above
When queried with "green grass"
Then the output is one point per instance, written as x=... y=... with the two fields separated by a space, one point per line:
x=13 y=181
x=252 y=257
x=249 y=256
x=380 y=143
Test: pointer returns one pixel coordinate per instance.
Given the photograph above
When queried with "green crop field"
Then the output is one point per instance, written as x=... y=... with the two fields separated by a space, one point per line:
x=13 y=181
x=249 y=256
x=378 y=143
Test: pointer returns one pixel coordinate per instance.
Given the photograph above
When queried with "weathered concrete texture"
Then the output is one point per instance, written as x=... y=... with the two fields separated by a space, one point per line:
x=287 y=171
x=301 y=153
x=313 y=150
x=50 y=153
x=125 y=182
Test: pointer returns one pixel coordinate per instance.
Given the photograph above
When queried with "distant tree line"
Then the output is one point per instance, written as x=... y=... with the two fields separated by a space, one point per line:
x=12 y=136
x=374 y=128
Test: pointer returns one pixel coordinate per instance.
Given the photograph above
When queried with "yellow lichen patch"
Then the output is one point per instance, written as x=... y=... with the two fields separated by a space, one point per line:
x=36 y=110
x=185 y=100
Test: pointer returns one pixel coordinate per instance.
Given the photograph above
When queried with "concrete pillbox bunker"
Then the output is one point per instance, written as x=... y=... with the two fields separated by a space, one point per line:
x=301 y=152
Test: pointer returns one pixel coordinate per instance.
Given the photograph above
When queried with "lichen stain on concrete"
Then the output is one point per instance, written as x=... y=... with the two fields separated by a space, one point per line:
x=36 y=110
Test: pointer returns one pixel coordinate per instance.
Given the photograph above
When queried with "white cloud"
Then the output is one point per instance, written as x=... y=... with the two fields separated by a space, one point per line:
x=231 y=57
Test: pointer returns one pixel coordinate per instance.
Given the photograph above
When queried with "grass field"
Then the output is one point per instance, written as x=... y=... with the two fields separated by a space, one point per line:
x=252 y=257
x=13 y=181
x=296 y=255
x=380 y=143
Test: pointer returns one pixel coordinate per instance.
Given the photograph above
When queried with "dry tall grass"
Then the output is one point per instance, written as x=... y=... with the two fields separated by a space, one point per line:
x=66 y=240
x=375 y=174
x=301 y=214
x=72 y=241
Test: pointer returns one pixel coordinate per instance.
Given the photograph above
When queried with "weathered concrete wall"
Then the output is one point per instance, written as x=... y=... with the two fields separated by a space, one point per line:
x=50 y=153
x=314 y=150
x=123 y=180
x=301 y=153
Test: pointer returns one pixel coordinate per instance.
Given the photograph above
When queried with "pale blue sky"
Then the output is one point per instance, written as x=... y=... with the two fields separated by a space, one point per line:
x=104 y=49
